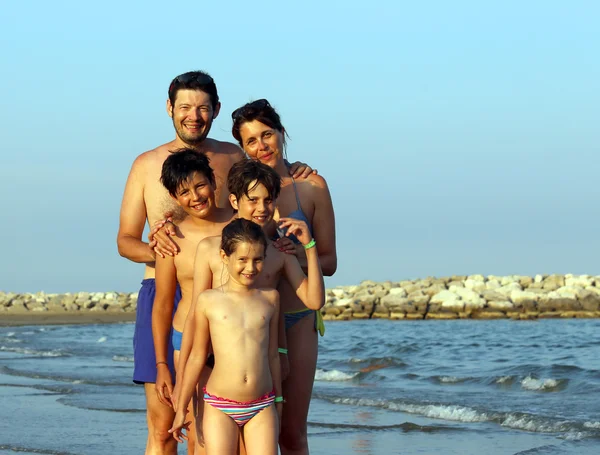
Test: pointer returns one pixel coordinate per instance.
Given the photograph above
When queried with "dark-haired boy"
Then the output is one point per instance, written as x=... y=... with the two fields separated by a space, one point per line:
x=253 y=188
x=190 y=181
x=193 y=104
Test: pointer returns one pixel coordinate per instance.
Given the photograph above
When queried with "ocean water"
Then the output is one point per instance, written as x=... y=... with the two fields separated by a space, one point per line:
x=382 y=387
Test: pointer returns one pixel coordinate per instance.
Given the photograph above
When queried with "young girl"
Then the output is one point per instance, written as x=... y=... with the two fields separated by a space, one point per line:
x=241 y=321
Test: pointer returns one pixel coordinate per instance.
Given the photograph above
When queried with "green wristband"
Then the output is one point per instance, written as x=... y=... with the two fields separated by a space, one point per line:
x=278 y=399
x=282 y=350
x=310 y=244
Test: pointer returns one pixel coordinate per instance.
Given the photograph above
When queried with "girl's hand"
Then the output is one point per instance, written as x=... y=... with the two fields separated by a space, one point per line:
x=297 y=227
x=179 y=424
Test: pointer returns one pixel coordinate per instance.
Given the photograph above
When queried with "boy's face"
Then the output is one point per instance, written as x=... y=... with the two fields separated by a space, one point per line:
x=196 y=196
x=257 y=206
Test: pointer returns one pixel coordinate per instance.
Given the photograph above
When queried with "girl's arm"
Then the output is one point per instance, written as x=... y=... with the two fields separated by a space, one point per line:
x=310 y=289
x=194 y=365
x=162 y=317
x=274 y=364
x=202 y=282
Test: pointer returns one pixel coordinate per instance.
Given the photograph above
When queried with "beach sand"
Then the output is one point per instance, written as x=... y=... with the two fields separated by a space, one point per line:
x=63 y=317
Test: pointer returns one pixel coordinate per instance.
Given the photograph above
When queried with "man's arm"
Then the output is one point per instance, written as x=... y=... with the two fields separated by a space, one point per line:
x=133 y=217
x=162 y=316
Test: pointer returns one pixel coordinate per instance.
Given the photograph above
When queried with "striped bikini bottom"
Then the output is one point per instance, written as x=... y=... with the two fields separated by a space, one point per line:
x=241 y=412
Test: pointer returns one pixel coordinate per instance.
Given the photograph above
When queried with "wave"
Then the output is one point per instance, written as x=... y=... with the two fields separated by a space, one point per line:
x=543 y=385
x=68 y=402
x=28 y=374
x=380 y=362
x=23 y=449
x=33 y=352
x=456 y=413
x=449 y=379
x=406 y=427
x=122 y=358
x=334 y=375
x=47 y=388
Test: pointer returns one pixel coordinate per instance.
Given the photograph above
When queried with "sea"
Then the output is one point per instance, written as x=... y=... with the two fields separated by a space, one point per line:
x=381 y=387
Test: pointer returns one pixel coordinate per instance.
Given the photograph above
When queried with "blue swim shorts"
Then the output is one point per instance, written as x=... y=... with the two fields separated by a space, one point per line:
x=144 y=357
x=176 y=339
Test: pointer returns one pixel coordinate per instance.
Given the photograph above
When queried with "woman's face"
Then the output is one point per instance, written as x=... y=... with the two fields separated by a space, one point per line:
x=262 y=143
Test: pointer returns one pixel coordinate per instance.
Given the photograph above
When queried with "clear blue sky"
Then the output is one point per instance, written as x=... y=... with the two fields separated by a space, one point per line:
x=456 y=137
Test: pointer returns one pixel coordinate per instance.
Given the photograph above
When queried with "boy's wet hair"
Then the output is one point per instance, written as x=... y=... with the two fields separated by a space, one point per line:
x=194 y=80
x=181 y=166
x=260 y=110
x=243 y=173
x=241 y=230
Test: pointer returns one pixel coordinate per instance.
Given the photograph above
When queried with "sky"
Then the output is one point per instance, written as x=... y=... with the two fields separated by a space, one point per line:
x=456 y=137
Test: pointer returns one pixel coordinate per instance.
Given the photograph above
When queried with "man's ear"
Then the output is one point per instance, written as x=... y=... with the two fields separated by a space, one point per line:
x=217 y=110
x=169 y=108
x=233 y=201
x=175 y=200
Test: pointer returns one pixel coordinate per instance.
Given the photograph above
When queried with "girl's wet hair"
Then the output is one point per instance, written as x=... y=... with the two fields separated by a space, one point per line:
x=239 y=231
x=260 y=110
x=181 y=165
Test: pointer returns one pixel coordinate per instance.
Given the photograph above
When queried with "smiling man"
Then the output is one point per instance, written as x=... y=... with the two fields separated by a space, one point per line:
x=193 y=104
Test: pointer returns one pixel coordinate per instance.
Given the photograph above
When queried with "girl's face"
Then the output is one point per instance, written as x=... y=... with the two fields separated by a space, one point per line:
x=245 y=263
x=262 y=143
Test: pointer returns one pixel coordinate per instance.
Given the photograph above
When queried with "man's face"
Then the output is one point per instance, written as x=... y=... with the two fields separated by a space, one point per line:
x=196 y=196
x=257 y=206
x=192 y=115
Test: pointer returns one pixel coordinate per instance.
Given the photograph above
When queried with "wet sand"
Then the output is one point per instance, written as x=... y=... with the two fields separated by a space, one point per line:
x=63 y=317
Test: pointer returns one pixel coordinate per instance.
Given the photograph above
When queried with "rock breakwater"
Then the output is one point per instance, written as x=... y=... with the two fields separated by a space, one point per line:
x=455 y=297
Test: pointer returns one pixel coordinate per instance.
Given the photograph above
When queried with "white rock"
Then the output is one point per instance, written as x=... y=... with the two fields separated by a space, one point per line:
x=476 y=285
x=581 y=281
x=399 y=292
x=444 y=296
x=343 y=302
x=492 y=284
x=538 y=279
x=453 y=305
x=476 y=278
x=593 y=289
x=518 y=296
x=508 y=288
x=569 y=292
x=505 y=280
x=338 y=292
x=501 y=305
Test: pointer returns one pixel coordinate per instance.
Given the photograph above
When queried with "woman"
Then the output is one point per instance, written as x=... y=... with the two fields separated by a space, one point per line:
x=259 y=131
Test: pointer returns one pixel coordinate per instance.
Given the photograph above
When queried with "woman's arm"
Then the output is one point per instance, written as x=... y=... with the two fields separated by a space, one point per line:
x=323 y=227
